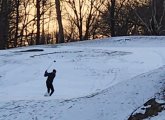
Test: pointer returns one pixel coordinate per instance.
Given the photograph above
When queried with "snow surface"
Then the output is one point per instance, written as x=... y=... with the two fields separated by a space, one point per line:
x=96 y=80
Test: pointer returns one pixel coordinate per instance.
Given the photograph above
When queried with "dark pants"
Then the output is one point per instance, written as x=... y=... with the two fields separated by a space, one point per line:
x=50 y=88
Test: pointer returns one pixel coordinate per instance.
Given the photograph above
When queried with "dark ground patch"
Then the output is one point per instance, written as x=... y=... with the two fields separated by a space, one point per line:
x=56 y=53
x=32 y=50
x=151 y=108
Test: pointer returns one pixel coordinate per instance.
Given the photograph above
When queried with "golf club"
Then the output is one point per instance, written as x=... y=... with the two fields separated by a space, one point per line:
x=50 y=64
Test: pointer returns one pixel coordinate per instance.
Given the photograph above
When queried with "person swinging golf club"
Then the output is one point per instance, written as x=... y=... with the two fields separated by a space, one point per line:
x=49 y=82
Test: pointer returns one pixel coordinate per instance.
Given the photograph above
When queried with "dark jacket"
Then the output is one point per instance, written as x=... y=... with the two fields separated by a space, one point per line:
x=50 y=76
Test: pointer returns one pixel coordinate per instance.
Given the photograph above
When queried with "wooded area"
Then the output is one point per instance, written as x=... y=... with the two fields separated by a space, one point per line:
x=35 y=22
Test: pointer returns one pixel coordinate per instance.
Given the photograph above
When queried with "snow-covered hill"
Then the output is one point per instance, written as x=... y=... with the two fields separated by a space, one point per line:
x=96 y=80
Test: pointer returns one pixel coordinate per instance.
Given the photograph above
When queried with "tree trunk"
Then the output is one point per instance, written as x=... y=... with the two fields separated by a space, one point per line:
x=112 y=18
x=4 y=24
x=38 y=22
x=59 y=19
x=17 y=22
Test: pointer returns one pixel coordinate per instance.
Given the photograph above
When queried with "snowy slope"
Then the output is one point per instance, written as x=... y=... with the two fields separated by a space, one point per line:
x=96 y=80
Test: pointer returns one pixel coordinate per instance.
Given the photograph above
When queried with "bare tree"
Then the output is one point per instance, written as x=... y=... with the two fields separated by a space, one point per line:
x=19 y=24
x=92 y=17
x=152 y=16
x=77 y=8
x=115 y=18
x=158 y=15
x=84 y=15
x=38 y=6
x=32 y=24
x=59 y=19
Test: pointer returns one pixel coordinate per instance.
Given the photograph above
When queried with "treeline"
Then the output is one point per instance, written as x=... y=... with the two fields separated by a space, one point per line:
x=35 y=22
